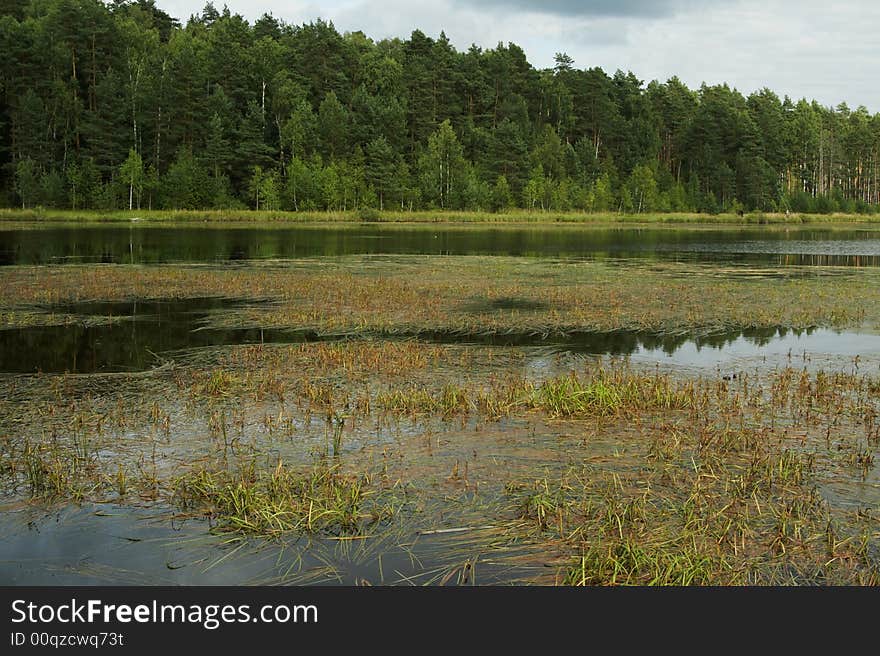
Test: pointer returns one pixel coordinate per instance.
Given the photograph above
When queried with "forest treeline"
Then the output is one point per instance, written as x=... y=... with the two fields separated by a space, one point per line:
x=119 y=105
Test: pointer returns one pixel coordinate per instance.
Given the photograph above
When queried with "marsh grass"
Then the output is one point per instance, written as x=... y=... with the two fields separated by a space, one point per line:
x=707 y=480
x=607 y=393
x=702 y=514
x=711 y=493
x=596 y=394
x=322 y=499
x=414 y=296
x=50 y=475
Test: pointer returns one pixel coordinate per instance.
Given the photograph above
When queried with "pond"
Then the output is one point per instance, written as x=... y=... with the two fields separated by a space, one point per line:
x=474 y=422
x=139 y=243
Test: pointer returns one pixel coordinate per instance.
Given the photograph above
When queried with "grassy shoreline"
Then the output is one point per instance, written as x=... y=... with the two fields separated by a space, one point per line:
x=425 y=216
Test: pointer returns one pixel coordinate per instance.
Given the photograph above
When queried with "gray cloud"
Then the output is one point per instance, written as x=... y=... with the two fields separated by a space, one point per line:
x=589 y=8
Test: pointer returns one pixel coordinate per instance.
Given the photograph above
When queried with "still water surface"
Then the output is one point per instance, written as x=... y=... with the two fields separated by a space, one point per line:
x=139 y=335
x=152 y=244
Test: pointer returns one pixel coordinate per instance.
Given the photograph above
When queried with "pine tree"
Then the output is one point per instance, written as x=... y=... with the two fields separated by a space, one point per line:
x=381 y=169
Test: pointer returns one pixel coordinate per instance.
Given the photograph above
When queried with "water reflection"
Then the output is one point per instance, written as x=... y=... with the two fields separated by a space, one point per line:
x=121 y=244
x=125 y=336
x=133 y=336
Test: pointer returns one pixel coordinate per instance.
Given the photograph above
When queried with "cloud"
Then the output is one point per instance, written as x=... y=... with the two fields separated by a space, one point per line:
x=484 y=26
x=591 y=8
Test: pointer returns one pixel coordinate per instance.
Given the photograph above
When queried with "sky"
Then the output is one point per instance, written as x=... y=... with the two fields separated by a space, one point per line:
x=819 y=49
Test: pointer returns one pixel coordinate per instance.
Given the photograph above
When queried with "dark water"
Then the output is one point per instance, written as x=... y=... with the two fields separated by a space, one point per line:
x=126 y=336
x=119 y=545
x=148 y=244
x=135 y=336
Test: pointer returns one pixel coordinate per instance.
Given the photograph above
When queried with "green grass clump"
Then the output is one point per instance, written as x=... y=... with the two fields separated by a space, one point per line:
x=568 y=397
x=715 y=518
x=216 y=383
x=609 y=394
x=632 y=563
x=320 y=500
x=50 y=474
x=602 y=394
x=451 y=399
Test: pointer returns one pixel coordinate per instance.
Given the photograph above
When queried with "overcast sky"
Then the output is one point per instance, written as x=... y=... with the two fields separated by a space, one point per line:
x=818 y=49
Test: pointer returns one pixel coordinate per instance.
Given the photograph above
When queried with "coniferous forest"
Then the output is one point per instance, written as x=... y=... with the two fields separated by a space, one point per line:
x=119 y=105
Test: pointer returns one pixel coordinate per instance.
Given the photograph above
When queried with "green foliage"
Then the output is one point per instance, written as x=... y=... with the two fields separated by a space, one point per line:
x=299 y=130
x=83 y=180
x=397 y=124
x=52 y=192
x=502 y=198
x=601 y=198
x=643 y=188
x=442 y=168
x=369 y=214
x=185 y=186
x=251 y=147
x=535 y=189
x=264 y=189
x=300 y=189
x=332 y=126
x=381 y=169
x=131 y=173
x=27 y=182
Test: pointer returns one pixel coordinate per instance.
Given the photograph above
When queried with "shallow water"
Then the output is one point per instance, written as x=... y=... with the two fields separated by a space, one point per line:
x=108 y=544
x=779 y=347
x=97 y=337
x=114 y=545
x=139 y=243
x=139 y=335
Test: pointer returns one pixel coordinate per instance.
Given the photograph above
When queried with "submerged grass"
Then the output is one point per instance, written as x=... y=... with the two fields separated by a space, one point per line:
x=598 y=393
x=609 y=393
x=719 y=499
x=724 y=525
